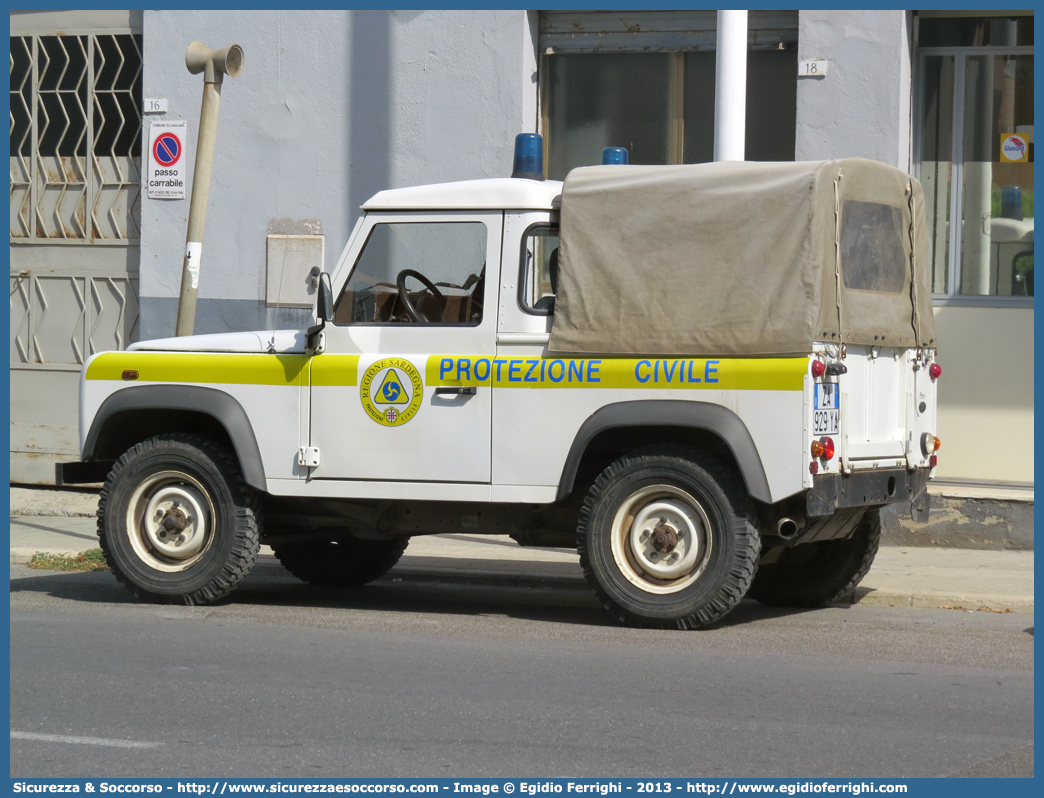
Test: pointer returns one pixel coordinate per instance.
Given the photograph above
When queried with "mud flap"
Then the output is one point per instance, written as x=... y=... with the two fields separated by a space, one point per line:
x=919 y=505
x=822 y=498
x=81 y=473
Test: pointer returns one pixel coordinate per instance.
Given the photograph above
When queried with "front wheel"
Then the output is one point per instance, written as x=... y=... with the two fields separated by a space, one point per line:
x=177 y=522
x=666 y=539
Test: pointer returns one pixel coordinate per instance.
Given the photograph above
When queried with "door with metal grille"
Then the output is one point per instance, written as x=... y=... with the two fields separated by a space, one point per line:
x=75 y=217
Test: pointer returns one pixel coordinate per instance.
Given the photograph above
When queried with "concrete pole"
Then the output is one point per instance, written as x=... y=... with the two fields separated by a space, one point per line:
x=214 y=65
x=1004 y=34
x=198 y=208
x=730 y=87
x=979 y=148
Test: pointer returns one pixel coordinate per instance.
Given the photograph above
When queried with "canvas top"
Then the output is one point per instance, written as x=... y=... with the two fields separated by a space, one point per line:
x=740 y=258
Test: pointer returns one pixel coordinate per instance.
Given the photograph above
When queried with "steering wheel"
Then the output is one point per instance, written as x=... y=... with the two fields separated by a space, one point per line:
x=404 y=295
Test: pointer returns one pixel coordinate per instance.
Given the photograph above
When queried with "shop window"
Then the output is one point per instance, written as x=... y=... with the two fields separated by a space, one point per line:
x=977 y=155
x=624 y=82
x=610 y=100
x=975 y=31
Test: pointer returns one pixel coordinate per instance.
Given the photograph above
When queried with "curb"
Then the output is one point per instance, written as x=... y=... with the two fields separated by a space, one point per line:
x=969 y=602
x=22 y=555
x=864 y=596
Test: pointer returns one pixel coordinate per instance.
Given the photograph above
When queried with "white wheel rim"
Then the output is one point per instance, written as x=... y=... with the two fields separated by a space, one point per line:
x=661 y=539
x=170 y=521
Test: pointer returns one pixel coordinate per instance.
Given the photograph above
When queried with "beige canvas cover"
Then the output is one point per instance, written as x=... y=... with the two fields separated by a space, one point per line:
x=734 y=258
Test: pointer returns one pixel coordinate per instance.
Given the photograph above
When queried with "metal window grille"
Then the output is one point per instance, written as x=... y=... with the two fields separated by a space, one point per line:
x=76 y=138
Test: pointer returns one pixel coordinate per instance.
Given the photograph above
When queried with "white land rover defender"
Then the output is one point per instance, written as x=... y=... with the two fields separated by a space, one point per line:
x=708 y=379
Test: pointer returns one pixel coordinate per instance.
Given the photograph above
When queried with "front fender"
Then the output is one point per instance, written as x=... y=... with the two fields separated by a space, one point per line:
x=209 y=401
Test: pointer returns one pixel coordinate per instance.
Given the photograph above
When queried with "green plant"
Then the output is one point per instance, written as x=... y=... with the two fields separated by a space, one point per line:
x=90 y=560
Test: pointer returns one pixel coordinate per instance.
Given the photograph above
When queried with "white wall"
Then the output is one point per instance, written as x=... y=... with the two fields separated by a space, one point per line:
x=862 y=107
x=332 y=106
x=985 y=393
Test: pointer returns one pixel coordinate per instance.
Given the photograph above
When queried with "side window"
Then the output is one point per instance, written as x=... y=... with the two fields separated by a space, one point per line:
x=538 y=280
x=872 y=256
x=417 y=273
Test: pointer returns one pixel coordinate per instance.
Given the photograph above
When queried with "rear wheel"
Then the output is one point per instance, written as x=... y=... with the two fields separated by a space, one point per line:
x=342 y=562
x=177 y=522
x=666 y=539
x=817 y=574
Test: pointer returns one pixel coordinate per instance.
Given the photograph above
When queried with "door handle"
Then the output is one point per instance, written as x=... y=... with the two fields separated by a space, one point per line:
x=455 y=391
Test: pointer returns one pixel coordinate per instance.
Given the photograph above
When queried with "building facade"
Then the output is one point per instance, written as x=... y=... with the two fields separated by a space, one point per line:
x=333 y=106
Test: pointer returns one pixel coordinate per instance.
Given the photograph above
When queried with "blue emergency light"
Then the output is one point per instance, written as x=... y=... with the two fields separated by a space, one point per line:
x=614 y=155
x=529 y=156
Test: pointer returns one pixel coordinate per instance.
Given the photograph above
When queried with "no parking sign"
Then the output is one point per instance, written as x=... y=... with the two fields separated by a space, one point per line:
x=166 y=172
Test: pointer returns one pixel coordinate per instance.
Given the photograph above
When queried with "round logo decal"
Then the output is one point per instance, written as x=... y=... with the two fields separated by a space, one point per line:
x=391 y=391
x=1014 y=148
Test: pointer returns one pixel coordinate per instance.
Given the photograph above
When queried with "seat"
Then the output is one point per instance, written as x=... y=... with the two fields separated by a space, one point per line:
x=547 y=303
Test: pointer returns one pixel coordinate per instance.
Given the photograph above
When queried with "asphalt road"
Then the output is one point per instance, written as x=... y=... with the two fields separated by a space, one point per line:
x=410 y=679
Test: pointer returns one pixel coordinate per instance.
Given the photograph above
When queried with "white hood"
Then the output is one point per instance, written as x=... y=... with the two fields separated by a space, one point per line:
x=270 y=341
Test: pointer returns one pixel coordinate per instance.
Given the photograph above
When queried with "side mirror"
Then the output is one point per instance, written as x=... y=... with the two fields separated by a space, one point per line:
x=323 y=313
x=324 y=301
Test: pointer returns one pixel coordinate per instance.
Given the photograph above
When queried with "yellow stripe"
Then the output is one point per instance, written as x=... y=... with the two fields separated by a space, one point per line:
x=736 y=374
x=335 y=370
x=720 y=374
x=202 y=367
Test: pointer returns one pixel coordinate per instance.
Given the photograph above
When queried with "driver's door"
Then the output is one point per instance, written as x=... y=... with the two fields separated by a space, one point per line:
x=412 y=291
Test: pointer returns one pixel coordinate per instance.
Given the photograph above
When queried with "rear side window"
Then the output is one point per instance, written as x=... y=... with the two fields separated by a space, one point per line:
x=539 y=281
x=872 y=256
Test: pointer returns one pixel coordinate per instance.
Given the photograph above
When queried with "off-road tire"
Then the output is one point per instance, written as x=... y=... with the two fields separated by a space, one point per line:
x=707 y=492
x=228 y=530
x=817 y=574
x=346 y=562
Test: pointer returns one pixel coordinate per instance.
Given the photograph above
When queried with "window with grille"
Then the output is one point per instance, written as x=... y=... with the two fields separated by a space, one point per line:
x=76 y=138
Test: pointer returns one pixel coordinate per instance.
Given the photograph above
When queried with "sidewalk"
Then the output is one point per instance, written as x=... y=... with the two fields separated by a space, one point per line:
x=900 y=577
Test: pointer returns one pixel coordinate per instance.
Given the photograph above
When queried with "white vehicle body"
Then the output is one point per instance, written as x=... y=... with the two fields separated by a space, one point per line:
x=485 y=413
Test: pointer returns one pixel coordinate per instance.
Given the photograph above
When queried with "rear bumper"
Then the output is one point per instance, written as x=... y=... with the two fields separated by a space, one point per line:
x=80 y=472
x=832 y=492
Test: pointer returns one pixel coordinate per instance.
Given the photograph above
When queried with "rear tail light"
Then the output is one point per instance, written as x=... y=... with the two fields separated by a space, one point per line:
x=934 y=371
x=818 y=368
x=930 y=444
x=813 y=467
x=823 y=448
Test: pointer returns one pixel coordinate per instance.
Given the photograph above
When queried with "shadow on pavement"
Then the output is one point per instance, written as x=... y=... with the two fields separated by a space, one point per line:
x=270 y=586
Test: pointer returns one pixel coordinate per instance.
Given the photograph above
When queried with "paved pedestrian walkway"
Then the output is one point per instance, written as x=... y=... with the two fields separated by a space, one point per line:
x=900 y=577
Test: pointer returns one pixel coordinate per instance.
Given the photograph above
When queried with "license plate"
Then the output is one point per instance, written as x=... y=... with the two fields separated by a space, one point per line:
x=826 y=415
